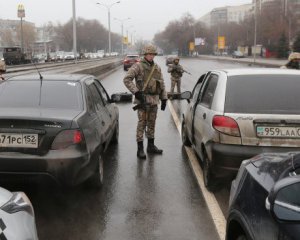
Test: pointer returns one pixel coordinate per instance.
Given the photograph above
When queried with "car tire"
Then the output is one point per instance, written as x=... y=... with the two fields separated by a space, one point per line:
x=115 y=138
x=185 y=139
x=96 y=181
x=208 y=177
x=125 y=69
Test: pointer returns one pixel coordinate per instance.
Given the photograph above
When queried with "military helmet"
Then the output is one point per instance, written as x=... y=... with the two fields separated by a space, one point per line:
x=149 y=49
x=176 y=59
x=2 y=66
x=294 y=55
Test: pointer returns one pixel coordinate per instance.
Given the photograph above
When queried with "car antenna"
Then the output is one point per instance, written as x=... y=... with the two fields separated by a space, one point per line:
x=41 y=77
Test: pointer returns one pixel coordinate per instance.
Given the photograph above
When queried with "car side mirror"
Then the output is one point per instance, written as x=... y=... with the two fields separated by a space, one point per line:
x=283 y=201
x=186 y=95
x=121 y=97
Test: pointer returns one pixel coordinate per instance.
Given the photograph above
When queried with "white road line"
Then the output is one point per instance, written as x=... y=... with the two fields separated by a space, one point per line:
x=210 y=199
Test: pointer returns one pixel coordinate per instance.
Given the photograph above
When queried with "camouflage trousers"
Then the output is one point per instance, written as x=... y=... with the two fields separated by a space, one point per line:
x=146 y=123
x=175 y=82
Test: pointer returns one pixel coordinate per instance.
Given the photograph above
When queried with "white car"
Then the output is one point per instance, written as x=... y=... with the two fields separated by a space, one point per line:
x=235 y=114
x=17 y=221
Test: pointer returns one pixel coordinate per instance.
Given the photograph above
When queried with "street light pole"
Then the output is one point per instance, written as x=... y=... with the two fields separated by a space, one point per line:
x=255 y=29
x=74 y=32
x=108 y=10
x=122 y=34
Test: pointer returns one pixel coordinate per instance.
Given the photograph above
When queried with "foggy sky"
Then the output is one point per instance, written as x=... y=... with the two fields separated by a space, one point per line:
x=147 y=16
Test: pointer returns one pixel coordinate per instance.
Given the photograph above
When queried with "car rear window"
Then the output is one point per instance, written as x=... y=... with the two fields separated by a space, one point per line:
x=132 y=57
x=31 y=94
x=271 y=94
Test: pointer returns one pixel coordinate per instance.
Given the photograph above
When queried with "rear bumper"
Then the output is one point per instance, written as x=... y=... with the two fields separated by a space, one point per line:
x=226 y=159
x=67 y=167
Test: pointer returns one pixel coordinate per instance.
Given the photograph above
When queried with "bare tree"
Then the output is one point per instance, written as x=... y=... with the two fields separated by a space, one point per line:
x=7 y=38
x=29 y=36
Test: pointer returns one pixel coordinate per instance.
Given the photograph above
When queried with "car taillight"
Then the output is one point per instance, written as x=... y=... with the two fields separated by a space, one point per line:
x=67 y=138
x=226 y=125
x=126 y=61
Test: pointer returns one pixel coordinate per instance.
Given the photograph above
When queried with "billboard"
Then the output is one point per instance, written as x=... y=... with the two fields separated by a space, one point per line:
x=221 y=42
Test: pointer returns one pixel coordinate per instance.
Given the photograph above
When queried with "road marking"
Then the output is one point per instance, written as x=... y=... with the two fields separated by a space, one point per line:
x=210 y=199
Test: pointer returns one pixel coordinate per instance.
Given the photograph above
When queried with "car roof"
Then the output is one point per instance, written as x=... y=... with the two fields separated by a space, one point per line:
x=51 y=77
x=258 y=71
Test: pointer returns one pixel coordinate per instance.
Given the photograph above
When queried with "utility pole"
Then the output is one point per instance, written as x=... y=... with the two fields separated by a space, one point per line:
x=21 y=15
x=74 y=32
x=255 y=30
x=108 y=10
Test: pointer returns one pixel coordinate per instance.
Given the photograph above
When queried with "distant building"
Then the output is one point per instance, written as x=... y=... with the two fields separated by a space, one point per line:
x=8 y=31
x=226 y=14
x=206 y=19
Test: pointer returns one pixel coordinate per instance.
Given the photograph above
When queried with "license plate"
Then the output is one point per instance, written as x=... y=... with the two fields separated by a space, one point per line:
x=18 y=140
x=278 y=132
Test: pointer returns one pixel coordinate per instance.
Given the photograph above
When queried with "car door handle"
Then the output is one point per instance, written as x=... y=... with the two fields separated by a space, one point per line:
x=204 y=115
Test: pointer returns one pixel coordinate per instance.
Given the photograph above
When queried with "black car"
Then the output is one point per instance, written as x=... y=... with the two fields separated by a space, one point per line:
x=265 y=198
x=56 y=126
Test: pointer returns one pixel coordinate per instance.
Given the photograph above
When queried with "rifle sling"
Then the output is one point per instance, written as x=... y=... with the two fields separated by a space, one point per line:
x=149 y=77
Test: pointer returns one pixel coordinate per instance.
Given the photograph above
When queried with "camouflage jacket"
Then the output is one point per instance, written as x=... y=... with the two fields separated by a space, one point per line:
x=155 y=89
x=175 y=70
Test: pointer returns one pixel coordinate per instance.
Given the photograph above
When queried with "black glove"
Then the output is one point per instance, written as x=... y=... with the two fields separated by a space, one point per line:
x=139 y=95
x=163 y=104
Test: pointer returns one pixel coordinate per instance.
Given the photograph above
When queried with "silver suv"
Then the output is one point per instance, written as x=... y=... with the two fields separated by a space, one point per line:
x=235 y=114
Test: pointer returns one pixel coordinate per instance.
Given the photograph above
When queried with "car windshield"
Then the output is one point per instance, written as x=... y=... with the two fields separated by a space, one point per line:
x=30 y=94
x=270 y=94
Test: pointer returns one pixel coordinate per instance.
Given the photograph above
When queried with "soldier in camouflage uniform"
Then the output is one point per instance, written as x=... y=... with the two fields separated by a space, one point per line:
x=176 y=71
x=148 y=99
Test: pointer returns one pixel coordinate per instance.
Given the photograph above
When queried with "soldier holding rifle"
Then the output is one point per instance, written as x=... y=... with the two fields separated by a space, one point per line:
x=148 y=89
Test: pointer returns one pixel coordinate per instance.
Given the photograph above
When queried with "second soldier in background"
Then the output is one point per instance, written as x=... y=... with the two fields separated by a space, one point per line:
x=148 y=89
x=176 y=71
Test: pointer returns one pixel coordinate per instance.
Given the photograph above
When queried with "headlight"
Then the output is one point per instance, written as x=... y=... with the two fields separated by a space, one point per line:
x=18 y=202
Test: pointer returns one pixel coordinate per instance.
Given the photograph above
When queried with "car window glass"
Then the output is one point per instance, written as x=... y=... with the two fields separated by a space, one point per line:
x=209 y=90
x=196 y=92
x=51 y=94
x=102 y=92
x=96 y=96
x=266 y=94
x=89 y=98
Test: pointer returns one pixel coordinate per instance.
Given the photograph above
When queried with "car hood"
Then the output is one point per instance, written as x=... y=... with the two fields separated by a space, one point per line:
x=268 y=168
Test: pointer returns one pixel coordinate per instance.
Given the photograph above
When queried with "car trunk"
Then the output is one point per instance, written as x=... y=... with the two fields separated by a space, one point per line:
x=32 y=131
x=266 y=109
x=266 y=130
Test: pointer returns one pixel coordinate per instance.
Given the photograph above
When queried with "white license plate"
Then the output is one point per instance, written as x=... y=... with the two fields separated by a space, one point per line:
x=18 y=140
x=278 y=132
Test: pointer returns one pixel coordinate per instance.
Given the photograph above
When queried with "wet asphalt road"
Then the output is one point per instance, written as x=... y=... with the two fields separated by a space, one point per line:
x=156 y=198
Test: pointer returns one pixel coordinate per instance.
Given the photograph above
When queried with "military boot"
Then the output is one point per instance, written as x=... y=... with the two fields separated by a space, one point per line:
x=140 y=151
x=151 y=148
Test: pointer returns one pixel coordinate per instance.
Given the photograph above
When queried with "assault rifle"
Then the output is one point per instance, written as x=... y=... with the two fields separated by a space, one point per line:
x=175 y=68
x=142 y=104
x=187 y=72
